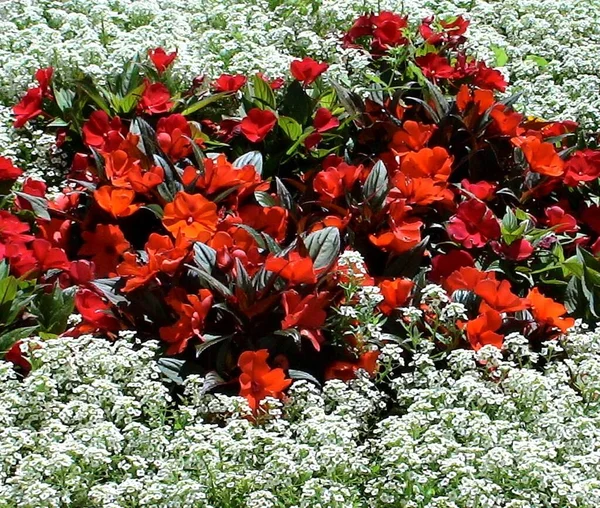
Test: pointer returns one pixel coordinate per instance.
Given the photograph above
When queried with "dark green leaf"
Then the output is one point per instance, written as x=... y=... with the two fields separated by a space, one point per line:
x=323 y=247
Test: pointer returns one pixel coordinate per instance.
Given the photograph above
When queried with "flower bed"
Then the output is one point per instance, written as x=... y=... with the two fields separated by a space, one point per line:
x=296 y=255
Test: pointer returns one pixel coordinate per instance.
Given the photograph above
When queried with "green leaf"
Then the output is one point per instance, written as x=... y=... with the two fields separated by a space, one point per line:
x=323 y=247
x=39 y=205
x=202 y=103
x=205 y=257
x=303 y=375
x=210 y=282
x=7 y=339
x=209 y=341
x=285 y=198
x=64 y=99
x=539 y=60
x=376 y=186
x=296 y=103
x=290 y=127
x=264 y=98
x=500 y=56
x=53 y=310
x=253 y=158
x=264 y=199
x=172 y=369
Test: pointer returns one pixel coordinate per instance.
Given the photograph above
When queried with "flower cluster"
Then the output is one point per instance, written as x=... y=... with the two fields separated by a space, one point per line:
x=92 y=425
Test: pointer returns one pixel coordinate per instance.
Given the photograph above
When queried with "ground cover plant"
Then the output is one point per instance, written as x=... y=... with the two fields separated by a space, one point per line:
x=261 y=233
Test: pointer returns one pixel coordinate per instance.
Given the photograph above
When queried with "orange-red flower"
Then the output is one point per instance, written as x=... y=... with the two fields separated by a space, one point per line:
x=395 y=294
x=257 y=124
x=466 y=277
x=401 y=238
x=173 y=134
x=413 y=136
x=295 y=269
x=161 y=59
x=105 y=245
x=347 y=370
x=155 y=99
x=219 y=174
x=434 y=163
x=258 y=380
x=541 y=156
x=498 y=296
x=481 y=331
x=117 y=202
x=305 y=314
x=192 y=216
x=547 y=312
x=307 y=70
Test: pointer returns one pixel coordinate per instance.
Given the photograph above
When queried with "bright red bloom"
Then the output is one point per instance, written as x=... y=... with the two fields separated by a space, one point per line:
x=583 y=166
x=388 y=30
x=192 y=311
x=48 y=257
x=155 y=99
x=173 y=134
x=102 y=132
x=560 y=221
x=229 y=83
x=8 y=171
x=21 y=259
x=307 y=70
x=435 y=66
x=395 y=294
x=306 y=314
x=257 y=124
x=506 y=122
x=105 y=245
x=452 y=32
x=473 y=225
x=411 y=137
x=401 y=238
x=498 y=296
x=481 y=331
x=117 y=202
x=347 y=370
x=272 y=220
x=481 y=190
x=434 y=163
x=12 y=230
x=95 y=311
x=295 y=269
x=30 y=105
x=31 y=187
x=258 y=380
x=547 y=312
x=15 y=356
x=312 y=140
x=467 y=278
x=443 y=265
x=361 y=27
x=518 y=250
x=488 y=78
x=542 y=157
x=335 y=181
x=220 y=174
x=192 y=216
x=324 y=120
x=161 y=59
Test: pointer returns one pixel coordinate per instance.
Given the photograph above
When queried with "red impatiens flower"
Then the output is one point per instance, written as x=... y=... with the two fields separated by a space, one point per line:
x=161 y=59
x=104 y=246
x=30 y=105
x=229 y=82
x=481 y=331
x=467 y=278
x=518 y=250
x=257 y=124
x=155 y=99
x=31 y=187
x=95 y=312
x=192 y=216
x=335 y=181
x=560 y=221
x=117 y=202
x=173 y=134
x=347 y=370
x=481 y=190
x=258 y=380
x=307 y=70
x=324 y=120
x=435 y=66
x=473 y=225
x=583 y=166
x=49 y=257
x=306 y=315
x=395 y=294
x=443 y=265
x=295 y=269
x=401 y=238
x=15 y=356
x=547 y=312
x=8 y=171
x=388 y=30
x=434 y=163
x=541 y=156
x=411 y=137
x=498 y=296
x=488 y=78
x=102 y=132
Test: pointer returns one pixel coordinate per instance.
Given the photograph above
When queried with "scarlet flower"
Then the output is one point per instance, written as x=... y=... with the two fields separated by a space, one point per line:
x=560 y=221
x=15 y=356
x=480 y=100
x=481 y=190
x=192 y=311
x=8 y=171
x=258 y=380
x=401 y=238
x=473 y=225
x=31 y=187
x=335 y=181
x=105 y=245
x=452 y=31
x=306 y=314
x=542 y=157
x=395 y=294
x=173 y=134
x=443 y=265
x=324 y=120
x=272 y=220
x=102 y=132
x=312 y=140
x=117 y=202
x=362 y=26
x=95 y=311
x=518 y=250
x=307 y=70
x=498 y=296
x=481 y=331
x=506 y=122
x=142 y=181
x=275 y=84
x=257 y=124
x=419 y=191
x=295 y=269
x=411 y=137
x=192 y=216
x=488 y=78
x=155 y=99
x=12 y=230
x=229 y=83
x=21 y=259
x=547 y=312
x=435 y=66
x=28 y=108
x=583 y=166
x=434 y=163
x=466 y=277
x=161 y=59
x=48 y=257
x=347 y=370
x=219 y=174
x=389 y=30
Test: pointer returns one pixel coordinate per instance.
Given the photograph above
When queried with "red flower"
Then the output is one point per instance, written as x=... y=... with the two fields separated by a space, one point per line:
x=489 y=79
x=560 y=221
x=295 y=269
x=401 y=238
x=105 y=245
x=481 y=190
x=173 y=134
x=443 y=265
x=435 y=66
x=8 y=171
x=155 y=99
x=481 y=330
x=31 y=187
x=258 y=380
x=305 y=314
x=161 y=59
x=583 y=166
x=467 y=278
x=257 y=124
x=229 y=83
x=48 y=257
x=95 y=311
x=117 y=202
x=542 y=157
x=324 y=120
x=547 y=312
x=347 y=371
x=434 y=163
x=28 y=108
x=335 y=181
x=192 y=216
x=395 y=294
x=412 y=137
x=15 y=356
x=389 y=30
x=307 y=70
x=498 y=296
x=101 y=132
x=473 y=225
x=312 y=140
x=518 y=250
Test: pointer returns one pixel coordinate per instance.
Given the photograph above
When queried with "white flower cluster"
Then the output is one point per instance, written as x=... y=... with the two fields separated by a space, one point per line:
x=93 y=425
